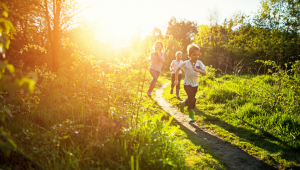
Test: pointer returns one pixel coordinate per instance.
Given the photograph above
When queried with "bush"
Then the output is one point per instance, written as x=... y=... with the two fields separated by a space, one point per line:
x=220 y=95
x=249 y=110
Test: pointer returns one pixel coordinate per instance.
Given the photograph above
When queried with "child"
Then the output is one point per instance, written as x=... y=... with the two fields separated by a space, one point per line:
x=156 y=57
x=192 y=69
x=173 y=67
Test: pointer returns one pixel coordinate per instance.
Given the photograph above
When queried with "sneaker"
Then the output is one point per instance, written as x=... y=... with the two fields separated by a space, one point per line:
x=149 y=94
x=177 y=93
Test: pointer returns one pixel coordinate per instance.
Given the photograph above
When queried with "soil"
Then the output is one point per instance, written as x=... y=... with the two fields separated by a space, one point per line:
x=232 y=156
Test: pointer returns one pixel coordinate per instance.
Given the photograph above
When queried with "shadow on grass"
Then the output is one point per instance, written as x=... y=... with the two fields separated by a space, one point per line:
x=223 y=160
x=262 y=140
x=223 y=152
x=191 y=137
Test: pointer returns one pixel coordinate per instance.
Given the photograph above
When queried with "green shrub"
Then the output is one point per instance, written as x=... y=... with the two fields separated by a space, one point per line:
x=220 y=95
x=249 y=110
x=228 y=77
x=268 y=79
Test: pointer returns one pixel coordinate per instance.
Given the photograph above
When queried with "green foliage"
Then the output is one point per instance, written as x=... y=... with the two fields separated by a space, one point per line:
x=5 y=28
x=89 y=117
x=10 y=83
x=182 y=31
x=265 y=105
x=171 y=46
x=220 y=95
x=249 y=110
x=257 y=113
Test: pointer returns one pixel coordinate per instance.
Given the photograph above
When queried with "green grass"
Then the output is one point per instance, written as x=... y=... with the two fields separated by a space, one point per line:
x=197 y=155
x=74 y=129
x=237 y=110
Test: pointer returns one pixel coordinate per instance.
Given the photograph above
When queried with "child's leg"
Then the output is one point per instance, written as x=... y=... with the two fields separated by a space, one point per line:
x=190 y=101
x=172 y=83
x=178 y=85
x=155 y=75
x=185 y=102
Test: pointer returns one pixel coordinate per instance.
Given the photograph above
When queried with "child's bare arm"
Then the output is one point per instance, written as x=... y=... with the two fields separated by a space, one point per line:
x=171 y=66
x=176 y=75
x=160 y=57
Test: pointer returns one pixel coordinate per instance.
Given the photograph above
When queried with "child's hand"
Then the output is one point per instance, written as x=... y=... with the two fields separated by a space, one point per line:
x=195 y=69
x=176 y=82
x=157 y=52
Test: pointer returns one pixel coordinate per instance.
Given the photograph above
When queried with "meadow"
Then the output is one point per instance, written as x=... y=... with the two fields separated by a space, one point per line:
x=73 y=91
x=257 y=113
x=95 y=120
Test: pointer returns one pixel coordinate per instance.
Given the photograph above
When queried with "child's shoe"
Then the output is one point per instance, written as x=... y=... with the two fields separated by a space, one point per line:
x=171 y=92
x=181 y=105
x=149 y=94
x=177 y=93
x=191 y=115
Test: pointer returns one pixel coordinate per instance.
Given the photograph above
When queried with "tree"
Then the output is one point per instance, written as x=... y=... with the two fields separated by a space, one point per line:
x=182 y=31
x=27 y=20
x=43 y=23
x=171 y=47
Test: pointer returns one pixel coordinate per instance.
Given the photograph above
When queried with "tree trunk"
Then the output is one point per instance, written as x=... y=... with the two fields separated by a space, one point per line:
x=49 y=42
x=55 y=42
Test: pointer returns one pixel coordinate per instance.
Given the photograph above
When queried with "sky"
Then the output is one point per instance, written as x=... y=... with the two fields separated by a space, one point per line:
x=126 y=16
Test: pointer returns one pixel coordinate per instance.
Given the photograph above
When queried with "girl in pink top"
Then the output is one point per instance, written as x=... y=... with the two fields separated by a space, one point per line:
x=157 y=57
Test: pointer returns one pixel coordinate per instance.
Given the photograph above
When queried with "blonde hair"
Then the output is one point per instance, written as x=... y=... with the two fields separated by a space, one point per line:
x=191 y=48
x=162 y=46
x=178 y=52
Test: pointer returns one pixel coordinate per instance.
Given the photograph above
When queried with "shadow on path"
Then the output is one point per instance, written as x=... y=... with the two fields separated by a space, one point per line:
x=233 y=157
x=261 y=140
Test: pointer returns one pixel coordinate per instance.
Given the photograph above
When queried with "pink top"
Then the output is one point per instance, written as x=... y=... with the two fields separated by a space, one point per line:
x=157 y=61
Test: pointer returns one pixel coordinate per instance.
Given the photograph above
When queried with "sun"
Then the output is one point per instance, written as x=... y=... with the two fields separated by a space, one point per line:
x=117 y=18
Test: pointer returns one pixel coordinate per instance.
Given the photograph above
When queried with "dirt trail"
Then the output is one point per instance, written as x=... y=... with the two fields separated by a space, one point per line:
x=233 y=157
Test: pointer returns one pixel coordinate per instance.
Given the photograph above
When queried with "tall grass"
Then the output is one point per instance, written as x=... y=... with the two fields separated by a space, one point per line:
x=85 y=117
x=258 y=113
x=259 y=108
x=273 y=99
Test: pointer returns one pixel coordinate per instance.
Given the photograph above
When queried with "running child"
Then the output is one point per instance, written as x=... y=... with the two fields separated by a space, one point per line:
x=156 y=57
x=192 y=69
x=174 y=65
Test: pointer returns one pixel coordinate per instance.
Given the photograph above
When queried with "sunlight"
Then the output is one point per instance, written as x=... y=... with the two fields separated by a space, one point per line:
x=116 y=20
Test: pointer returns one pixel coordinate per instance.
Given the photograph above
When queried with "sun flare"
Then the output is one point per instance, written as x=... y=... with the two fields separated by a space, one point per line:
x=119 y=20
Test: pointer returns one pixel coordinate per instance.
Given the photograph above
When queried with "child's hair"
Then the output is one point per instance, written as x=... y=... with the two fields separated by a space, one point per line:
x=192 y=47
x=178 y=52
x=162 y=46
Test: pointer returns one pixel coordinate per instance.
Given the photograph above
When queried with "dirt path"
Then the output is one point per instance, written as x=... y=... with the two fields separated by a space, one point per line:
x=233 y=157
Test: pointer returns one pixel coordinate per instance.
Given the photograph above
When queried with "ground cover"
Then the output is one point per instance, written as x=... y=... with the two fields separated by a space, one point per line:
x=254 y=113
x=70 y=126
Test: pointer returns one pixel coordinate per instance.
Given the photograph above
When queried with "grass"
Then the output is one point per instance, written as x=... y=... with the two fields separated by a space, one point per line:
x=75 y=130
x=197 y=155
x=232 y=108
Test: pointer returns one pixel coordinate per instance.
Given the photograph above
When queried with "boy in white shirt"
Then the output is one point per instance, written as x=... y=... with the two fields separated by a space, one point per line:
x=174 y=65
x=192 y=69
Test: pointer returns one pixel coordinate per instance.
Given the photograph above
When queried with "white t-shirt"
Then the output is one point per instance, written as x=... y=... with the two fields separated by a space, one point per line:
x=175 y=64
x=191 y=76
